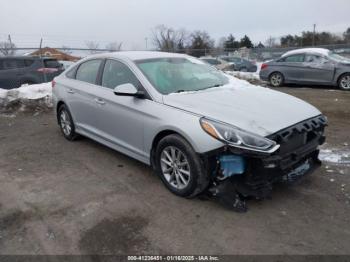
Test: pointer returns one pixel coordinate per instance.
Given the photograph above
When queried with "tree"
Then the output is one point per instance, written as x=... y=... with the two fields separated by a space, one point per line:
x=93 y=46
x=200 y=43
x=221 y=42
x=346 y=36
x=271 y=42
x=231 y=43
x=114 y=46
x=260 y=45
x=168 y=39
x=246 y=42
x=6 y=48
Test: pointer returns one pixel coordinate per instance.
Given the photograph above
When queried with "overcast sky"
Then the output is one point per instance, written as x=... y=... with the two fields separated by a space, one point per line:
x=72 y=22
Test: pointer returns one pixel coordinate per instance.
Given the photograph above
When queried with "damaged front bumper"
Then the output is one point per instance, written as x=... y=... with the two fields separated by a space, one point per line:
x=253 y=174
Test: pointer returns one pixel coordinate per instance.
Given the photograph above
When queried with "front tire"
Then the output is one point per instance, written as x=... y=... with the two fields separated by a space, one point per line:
x=344 y=82
x=276 y=79
x=66 y=124
x=179 y=167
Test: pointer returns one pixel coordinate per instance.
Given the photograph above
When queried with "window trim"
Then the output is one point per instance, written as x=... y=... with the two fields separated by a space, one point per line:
x=141 y=87
x=78 y=66
x=284 y=58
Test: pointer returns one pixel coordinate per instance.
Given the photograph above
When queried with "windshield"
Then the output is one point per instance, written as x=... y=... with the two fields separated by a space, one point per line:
x=174 y=75
x=338 y=58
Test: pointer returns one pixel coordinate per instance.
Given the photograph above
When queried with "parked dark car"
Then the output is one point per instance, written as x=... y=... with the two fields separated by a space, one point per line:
x=308 y=66
x=218 y=63
x=16 y=71
x=241 y=64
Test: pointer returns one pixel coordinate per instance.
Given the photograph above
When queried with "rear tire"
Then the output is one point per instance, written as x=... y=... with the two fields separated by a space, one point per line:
x=276 y=79
x=179 y=167
x=66 y=124
x=344 y=82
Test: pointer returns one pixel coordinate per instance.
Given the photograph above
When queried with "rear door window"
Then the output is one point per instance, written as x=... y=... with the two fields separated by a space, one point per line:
x=28 y=62
x=51 y=63
x=315 y=59
x=10 y=64
x=88 y=71
x=294 y=59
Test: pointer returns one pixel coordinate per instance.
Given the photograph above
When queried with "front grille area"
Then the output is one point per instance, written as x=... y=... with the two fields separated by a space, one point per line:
x=300 y=135
x=299 y=144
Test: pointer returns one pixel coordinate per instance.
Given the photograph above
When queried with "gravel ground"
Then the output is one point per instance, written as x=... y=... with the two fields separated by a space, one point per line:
x=58 y=197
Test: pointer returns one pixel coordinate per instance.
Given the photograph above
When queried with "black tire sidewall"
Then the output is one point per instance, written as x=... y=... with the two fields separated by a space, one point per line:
x=196 y=183
x=72 y=134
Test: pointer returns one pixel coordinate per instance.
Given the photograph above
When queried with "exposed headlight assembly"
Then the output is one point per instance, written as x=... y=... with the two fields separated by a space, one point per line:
x=237 y=137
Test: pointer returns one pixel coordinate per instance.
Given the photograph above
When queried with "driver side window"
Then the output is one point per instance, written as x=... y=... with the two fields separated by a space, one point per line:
x=116 y=73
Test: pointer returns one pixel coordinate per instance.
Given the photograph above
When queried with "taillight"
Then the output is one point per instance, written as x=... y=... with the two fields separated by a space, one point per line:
x=53 y=83
x=264 y=66
x=46 y=70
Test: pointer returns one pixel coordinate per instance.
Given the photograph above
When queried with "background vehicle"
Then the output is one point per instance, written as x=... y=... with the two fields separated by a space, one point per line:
x=241 y=64
x=16 y=71
x=308 y=66
x=218 y=63
x=66 y=64
x=189 y=122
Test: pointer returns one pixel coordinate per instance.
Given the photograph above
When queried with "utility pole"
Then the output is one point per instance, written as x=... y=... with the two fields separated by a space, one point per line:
x=146 y=39
x=41 y=42
x=313 y=36
x=10 y=41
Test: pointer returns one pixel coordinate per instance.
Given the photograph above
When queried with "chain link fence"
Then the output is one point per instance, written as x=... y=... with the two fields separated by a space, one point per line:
x=255 y=54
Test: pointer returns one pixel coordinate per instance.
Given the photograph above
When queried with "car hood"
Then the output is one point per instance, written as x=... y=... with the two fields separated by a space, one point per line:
x=255 y=109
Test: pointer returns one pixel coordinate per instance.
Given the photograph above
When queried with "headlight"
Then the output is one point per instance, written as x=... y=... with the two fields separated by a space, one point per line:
x=237 y=137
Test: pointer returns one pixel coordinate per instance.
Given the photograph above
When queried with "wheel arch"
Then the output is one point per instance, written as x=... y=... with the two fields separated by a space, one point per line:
x=160 y=135
x=341 y=75
x=276 y=71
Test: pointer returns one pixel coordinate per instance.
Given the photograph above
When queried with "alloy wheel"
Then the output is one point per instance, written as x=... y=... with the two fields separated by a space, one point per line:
x=276 y=79
x=345 y=82
x=66 y=123
x=175 y=167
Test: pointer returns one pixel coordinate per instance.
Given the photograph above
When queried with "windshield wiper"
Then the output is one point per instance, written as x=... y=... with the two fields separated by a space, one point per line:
x=179 y=91
x=217 y=85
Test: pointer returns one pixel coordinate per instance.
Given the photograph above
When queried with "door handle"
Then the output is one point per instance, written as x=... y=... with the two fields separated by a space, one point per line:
x=70 y=91
x=100 y=101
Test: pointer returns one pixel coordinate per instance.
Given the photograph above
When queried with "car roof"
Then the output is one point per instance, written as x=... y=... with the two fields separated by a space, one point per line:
x=319 y=51
x=139 y=55
x=26 y=57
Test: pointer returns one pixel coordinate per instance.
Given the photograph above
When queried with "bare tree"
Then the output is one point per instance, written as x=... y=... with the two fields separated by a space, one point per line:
x=168 y=39
x=114 y=46
x=271 y=42
x=93 y=46
x=7 y=48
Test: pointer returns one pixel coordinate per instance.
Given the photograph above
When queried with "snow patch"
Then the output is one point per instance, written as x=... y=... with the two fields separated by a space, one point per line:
x=335 y=156
x=321 y=51
x=26 y=96
x=245 y=75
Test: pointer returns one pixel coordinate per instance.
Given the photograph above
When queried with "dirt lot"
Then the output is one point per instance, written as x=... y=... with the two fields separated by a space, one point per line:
x=58 y=197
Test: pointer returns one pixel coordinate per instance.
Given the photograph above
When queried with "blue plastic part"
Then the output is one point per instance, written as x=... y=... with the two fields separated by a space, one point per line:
x=231 y=165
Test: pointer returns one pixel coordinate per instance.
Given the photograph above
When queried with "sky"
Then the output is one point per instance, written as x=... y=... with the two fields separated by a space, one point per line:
x=73 y=22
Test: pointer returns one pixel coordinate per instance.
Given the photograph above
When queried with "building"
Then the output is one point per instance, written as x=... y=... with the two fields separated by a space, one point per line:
x=54 y=53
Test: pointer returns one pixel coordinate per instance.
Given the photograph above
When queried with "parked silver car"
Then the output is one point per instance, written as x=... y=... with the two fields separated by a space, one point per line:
x=308 y=66
x=189 y=122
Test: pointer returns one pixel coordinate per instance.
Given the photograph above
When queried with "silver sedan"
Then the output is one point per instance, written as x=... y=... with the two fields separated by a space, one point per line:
x=197 y=127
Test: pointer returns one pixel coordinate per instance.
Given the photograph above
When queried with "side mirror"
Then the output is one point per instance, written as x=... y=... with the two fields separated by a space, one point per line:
x=128 y=90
